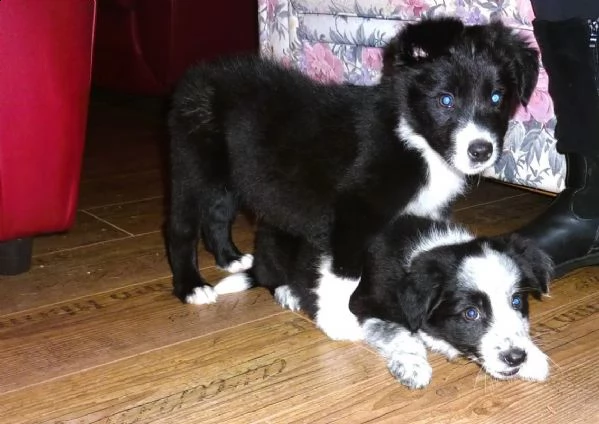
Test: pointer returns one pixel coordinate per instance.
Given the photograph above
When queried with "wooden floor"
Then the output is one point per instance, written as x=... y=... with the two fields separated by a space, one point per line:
x=92 y=334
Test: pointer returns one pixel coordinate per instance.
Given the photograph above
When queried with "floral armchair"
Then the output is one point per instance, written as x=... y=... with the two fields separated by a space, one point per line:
x=341 y=40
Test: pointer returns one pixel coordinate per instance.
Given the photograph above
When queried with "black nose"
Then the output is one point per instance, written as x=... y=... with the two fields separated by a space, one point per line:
x=480 y=150
x=513 y=357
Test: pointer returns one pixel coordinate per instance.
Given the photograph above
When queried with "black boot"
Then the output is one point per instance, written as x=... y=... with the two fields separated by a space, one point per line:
x=569 y=229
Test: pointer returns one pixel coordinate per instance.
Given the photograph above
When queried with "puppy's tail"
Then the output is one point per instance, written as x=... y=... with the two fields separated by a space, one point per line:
x=234 y=283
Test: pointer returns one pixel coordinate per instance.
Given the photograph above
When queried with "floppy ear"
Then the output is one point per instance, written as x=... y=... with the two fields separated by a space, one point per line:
x=536 y=266
x=421 y=290
x=522 y=59
x=420 y=41
x=526 y=62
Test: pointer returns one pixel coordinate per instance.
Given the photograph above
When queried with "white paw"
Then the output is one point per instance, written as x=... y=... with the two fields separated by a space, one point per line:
x=340 y=324
x=201 y=296
x=285 y=297
x=233 y=283
x=242 y=264
x=411 y=370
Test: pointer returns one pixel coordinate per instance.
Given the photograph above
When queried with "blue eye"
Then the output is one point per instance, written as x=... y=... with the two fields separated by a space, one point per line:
x=471 y=314
x=517 y=302
x=496 y=97
x=446 y=100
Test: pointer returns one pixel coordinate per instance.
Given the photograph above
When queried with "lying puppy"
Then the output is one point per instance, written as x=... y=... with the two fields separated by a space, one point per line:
x=336 y=163
x=425 y=284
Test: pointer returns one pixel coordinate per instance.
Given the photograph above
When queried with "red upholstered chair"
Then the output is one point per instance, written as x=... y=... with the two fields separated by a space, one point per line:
x=144 y=46
x=45 y=72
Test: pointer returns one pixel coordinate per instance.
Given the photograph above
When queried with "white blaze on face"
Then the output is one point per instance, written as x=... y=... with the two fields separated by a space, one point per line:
x=496 y=275
x=463 y=138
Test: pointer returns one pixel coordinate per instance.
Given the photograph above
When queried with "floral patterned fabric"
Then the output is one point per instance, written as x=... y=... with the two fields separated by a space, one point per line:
x=341 y=40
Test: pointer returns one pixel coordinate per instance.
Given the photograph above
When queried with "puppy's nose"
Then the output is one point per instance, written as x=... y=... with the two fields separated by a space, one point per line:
x=480 y=150
x=513 y=357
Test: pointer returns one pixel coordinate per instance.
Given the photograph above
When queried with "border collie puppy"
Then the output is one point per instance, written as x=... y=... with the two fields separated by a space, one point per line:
x=425 y=284
x=336 y=163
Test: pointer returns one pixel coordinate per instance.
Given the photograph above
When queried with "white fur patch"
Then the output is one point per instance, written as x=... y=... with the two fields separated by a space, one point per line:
x=497 y=275
x=334 y=317
x=443 y=183
x=404 y=351
x=463 y=138
x=439 y=236
x=439 y=346
x=243 y=264
x=285 y=297
x=233 y=283
x=419 y=53
x=201 y=296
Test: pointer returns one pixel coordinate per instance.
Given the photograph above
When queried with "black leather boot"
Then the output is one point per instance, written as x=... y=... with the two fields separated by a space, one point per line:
x=569 y=229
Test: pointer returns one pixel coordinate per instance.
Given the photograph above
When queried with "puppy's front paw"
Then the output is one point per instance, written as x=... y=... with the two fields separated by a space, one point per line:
x=285 y=297
x=201 y=296
x=411 y=370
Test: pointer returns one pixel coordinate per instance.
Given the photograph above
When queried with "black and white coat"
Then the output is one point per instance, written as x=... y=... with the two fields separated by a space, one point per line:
x=426 y=283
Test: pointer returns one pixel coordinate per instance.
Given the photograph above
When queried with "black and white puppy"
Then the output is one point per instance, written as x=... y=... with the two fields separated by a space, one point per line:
x=425 y=284
x=335 y=163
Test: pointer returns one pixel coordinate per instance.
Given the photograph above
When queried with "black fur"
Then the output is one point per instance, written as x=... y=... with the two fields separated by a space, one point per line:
x=325 y=162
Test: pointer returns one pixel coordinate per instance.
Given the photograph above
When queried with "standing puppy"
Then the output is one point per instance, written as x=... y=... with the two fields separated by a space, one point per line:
x=336 y=163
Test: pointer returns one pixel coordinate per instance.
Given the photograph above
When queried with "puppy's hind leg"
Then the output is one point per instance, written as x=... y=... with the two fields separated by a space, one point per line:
x=198 y=170
x=202 y=203
x=183 y=231
x=218 y=216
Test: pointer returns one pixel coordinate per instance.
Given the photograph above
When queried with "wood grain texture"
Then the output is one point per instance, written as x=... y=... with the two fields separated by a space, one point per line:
x=122 y=188
x=70 y=274
x=482 y=192
x=503 y=215
x=236 y=375
x=87 y=230
x=92 y=334
x=134 y=217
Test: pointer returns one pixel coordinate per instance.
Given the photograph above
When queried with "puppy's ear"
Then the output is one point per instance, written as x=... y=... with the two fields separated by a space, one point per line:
x=526 y=61
x=536 y=266
x=522 y=60
x=420 y=41
x=421 y=290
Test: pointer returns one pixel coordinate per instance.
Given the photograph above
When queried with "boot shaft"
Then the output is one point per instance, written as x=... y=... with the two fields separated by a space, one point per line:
x=569 y=52
x=593 y=36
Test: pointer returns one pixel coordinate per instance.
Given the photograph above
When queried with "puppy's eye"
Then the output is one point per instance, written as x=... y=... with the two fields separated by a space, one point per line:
x=496 y=97
x=517 y=302
x=471 y=314
x=446 y=100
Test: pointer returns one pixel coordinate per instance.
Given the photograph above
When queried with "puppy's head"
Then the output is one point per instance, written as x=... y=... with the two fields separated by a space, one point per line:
x=472 y=299
x=459 y=86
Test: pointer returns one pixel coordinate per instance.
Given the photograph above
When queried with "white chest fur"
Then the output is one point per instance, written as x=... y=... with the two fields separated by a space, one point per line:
x=443 y=182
